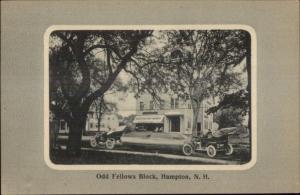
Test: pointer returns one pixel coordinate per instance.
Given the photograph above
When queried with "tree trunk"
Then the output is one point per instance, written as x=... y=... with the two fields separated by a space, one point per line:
x=195 y=120
x=196 y=103
x=77 y=126
x=99 y=121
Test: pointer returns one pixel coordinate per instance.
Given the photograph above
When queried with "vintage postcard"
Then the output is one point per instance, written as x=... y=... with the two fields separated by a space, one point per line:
x=149 y=97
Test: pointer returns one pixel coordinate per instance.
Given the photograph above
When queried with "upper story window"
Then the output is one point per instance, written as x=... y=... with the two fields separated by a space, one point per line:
x=151 y=105
x=142 y=106
x=205 y=125
x=162 y=104
x=174 y=103
x=90 y=115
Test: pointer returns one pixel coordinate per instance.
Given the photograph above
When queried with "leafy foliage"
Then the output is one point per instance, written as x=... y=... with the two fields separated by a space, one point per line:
x=197 y=64
x=78 y=77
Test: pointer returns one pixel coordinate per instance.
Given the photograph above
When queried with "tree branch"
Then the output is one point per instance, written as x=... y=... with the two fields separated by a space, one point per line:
x=111 y=77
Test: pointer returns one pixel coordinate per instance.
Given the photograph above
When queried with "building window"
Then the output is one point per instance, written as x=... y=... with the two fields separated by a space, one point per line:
x=189 y=106
x=189 y=123
x=162 y=104
x=91 y=125
x=142 y=105
x=205 y=125
x=62 y=125
x=174 y=102
x=151 y=105
x=90 y=115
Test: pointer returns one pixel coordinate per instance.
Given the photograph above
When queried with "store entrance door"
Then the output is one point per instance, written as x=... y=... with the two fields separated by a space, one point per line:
x=174 y=123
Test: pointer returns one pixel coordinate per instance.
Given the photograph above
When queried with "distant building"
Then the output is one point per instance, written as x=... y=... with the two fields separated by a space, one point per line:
x=172 y=114
x=109 y=121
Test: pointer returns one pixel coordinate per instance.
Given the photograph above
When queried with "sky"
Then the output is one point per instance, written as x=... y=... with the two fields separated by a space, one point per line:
x=126 y=103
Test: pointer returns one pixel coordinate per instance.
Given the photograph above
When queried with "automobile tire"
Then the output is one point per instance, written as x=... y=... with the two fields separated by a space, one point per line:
x=187 y=149
x=93 y=142
x=211 y=151
x=228 y=149
x=110 y=144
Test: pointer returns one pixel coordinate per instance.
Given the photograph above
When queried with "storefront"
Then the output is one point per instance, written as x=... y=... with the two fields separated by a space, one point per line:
x=174 y=121
x=169 y=122
x=149 y=122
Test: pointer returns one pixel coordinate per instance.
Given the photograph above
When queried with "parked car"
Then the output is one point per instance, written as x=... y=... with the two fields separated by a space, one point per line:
x=107 y=138
x=159 y=140
x=214 y=142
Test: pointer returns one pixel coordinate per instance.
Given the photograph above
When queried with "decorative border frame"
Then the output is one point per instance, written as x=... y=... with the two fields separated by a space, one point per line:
x=127 y=167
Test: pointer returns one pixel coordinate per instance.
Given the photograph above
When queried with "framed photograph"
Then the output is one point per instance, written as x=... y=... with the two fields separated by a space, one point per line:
x=188 y=90
x=149 y=97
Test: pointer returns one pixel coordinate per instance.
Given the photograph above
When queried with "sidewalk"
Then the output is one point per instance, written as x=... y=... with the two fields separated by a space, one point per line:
x=193 y=159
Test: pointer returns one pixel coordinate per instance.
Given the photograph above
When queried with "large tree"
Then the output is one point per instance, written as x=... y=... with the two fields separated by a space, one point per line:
x=72 y=60
x=196 y=64
x=239 y=99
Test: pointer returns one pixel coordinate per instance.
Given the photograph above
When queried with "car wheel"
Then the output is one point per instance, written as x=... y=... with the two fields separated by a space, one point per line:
x=211 y=151
x=110 y=144
x=228 y=149
x=187 y=149
x=93 y=142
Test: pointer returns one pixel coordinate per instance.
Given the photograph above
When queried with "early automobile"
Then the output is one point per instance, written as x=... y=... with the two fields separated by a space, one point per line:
x=159 y=140
x=107 y=138
x=213 y=142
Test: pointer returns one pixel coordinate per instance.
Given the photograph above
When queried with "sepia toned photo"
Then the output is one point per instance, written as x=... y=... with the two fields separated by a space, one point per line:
x=150 y=97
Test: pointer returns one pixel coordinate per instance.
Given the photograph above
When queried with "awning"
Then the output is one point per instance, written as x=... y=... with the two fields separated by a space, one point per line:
x=153 y=119
x=173 y=113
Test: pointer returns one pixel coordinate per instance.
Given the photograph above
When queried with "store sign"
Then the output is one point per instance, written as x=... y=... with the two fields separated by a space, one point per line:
x=149 y=119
